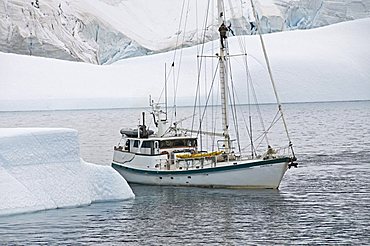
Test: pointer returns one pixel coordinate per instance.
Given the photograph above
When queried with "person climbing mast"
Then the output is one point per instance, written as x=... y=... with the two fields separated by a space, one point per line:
x=223 y=33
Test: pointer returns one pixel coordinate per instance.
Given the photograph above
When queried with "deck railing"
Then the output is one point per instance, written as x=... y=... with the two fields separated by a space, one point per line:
x=211 y=161
x=187 y=163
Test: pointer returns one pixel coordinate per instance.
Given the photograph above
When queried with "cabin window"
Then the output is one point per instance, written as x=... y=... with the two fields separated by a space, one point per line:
x=147 y=147
x=147 y=144
x=136 y=143
x=178 y=143
x=165 y=144
x=127 y=145
x=193 y=143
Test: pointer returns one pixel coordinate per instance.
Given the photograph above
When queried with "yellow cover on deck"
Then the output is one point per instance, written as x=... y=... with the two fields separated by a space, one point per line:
x=199 y=155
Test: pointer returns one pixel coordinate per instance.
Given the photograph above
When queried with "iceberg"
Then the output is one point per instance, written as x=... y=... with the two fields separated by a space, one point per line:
x=41 y=168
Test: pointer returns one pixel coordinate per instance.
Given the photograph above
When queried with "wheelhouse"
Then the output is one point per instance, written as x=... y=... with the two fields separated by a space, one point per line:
x=157 y=146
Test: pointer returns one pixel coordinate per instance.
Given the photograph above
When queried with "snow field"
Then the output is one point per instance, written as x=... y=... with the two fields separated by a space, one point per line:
x=325 y=64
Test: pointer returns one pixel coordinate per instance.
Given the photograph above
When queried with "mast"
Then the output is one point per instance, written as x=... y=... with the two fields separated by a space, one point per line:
x=223 y=74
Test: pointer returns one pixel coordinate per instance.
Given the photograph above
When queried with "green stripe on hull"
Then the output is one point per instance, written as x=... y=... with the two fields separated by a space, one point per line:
x=235 y=187
x=204 y=170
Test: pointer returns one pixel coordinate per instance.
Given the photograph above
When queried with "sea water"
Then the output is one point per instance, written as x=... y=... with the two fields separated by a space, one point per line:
x=325 y=200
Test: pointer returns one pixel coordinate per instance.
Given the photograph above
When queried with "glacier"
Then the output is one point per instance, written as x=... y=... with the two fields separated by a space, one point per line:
x=105 y=31
x=330 y=63
x=41 y=168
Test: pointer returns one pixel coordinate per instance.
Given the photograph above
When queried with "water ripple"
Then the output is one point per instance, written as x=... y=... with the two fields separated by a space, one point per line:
x=324 y=201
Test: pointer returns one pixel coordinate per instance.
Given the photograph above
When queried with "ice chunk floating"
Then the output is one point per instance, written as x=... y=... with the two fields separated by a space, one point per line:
x=41 y=168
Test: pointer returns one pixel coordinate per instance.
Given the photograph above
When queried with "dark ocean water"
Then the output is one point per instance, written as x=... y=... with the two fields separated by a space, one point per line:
x=324 y=201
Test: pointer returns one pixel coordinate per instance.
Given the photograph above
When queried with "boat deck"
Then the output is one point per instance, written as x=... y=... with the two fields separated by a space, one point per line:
x=202 y=163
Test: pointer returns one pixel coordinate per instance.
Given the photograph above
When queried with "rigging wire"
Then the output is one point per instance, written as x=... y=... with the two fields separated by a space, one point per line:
x=198 y=89
x=205 y=90
x=274 y=121
x=250 y=86
x=178 y=30
x=259 y=113
x=216 y=109
x=233 y=107
x=271 y=77
x=199 y=67
x=213 y=113
x=180 y=59
x=243 y=47
x=207 y=100
x=200 y=120
x=246 y=127
x=177 y=46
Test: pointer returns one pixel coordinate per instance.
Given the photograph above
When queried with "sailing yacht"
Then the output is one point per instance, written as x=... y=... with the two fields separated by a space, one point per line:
x=171 y=155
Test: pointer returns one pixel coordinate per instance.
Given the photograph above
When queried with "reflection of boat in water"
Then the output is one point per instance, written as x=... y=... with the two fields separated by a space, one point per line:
x=172 y=157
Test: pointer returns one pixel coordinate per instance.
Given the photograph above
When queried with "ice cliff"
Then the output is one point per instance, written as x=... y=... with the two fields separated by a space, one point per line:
x=63 y=30
x=41 y=169
x=104 y=31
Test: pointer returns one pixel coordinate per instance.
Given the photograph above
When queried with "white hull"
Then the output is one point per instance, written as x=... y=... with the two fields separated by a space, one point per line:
x=253 y=174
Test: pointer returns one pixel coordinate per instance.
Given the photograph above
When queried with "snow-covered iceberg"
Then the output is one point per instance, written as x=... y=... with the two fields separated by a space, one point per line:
x=40 y=168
